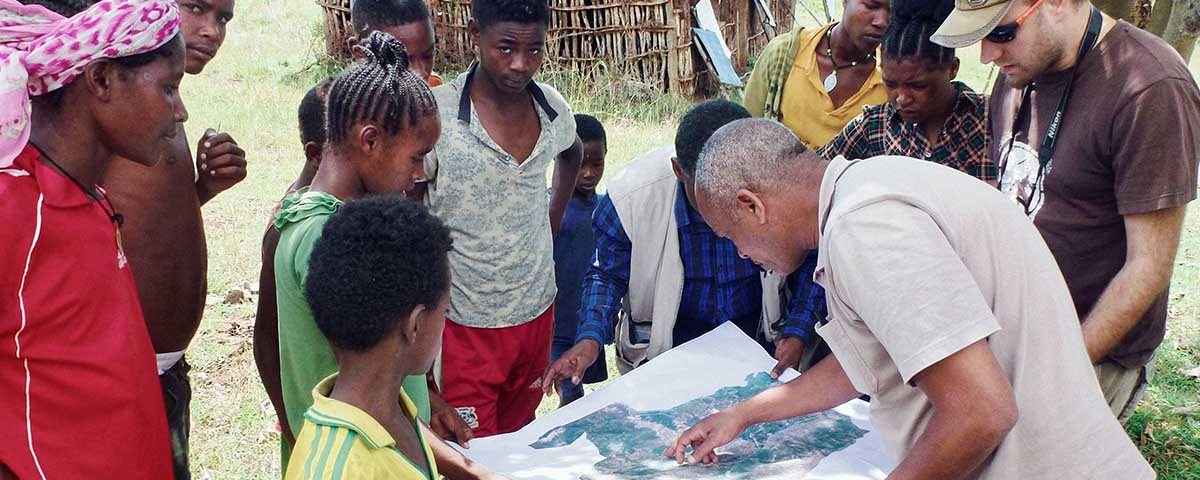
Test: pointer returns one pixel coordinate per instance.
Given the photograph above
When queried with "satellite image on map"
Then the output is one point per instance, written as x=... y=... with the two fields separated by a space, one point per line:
x=632 y=442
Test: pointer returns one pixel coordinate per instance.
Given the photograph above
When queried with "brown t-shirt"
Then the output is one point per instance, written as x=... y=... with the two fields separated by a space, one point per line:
x=1128 y=144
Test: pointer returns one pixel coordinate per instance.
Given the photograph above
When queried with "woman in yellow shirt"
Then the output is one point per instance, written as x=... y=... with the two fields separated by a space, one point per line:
x=815 y=80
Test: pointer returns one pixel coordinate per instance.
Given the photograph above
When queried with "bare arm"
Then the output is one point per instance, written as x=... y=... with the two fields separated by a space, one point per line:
x=566 y=169
x=1151 y=242
x=452 y=464
x=823 y=387
x=266 y=332
x=973 y=409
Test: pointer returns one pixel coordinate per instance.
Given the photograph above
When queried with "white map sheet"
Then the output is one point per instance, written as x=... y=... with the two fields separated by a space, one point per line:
x=620 y=431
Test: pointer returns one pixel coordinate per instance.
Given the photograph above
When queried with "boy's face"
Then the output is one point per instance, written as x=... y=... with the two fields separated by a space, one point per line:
x=418 y=39
x=865 y=20
x=203 y=26
x=429 y=334
x=592 y=168
x=399 y=161
x=510 y=52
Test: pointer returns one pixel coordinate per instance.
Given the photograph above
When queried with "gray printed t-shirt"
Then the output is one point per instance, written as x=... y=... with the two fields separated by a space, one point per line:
x=919 y=261
x=502 y=264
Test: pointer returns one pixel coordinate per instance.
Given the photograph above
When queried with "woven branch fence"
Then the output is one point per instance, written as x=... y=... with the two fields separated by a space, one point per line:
x=648 y=41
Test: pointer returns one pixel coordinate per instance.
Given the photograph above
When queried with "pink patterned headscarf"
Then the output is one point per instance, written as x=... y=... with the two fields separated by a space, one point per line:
x=41 y=51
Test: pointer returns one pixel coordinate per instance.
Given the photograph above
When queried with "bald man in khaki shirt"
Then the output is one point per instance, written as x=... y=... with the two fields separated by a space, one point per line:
x=945 y=305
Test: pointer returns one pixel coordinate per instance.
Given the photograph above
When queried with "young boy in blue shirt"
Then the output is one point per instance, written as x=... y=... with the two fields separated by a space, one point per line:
x=573 y=251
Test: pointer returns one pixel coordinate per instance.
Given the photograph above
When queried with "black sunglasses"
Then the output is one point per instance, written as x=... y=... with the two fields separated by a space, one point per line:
x=1007 y=32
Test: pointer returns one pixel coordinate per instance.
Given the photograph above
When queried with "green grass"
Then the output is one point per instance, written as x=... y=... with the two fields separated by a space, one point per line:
x=271 y=58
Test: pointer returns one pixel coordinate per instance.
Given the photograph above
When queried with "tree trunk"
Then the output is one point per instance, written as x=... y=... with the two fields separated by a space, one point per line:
x=1159 y=17
x=1182 y=27
x=1122 y=9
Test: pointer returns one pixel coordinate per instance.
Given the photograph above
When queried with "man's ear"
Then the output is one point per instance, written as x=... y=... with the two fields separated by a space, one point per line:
x=678 y=170
x=750 y=202
x=312 y=154
x=412 y=325
x=954 y=64
x=100 y=77
x=473 y=31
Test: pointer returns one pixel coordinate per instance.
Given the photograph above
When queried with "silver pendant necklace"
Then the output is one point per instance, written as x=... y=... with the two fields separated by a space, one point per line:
x=831 y=81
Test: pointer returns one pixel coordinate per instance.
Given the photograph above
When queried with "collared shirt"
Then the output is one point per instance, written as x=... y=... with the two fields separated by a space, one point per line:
x=804 y=105
x=338 y=440
x=962 y=143
x=76 y=363
x=915 y=271
x=502 y=264
x=718 y=284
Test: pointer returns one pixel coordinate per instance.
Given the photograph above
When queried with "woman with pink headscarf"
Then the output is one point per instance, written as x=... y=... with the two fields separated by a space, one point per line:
x=79 y=394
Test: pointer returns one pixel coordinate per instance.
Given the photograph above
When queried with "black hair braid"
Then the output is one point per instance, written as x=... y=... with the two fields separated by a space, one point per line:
x=379 y=88
x=911 y=25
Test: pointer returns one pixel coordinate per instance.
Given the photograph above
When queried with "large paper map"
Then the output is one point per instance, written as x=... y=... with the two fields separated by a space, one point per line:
x=621 y=431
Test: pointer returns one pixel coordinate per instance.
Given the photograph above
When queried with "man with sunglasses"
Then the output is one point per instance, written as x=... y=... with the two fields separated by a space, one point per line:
x=1096 y=128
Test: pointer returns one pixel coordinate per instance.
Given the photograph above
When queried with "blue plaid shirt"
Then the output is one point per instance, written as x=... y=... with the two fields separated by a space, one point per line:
x=718 y=284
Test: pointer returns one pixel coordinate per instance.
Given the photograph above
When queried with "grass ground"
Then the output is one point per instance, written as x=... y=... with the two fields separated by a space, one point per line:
x=252 y=90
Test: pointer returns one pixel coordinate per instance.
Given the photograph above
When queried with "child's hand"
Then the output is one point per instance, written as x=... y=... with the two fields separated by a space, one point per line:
x=446 y=423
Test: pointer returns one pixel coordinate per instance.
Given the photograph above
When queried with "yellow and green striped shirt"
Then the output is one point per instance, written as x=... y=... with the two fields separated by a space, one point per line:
x=338 y=441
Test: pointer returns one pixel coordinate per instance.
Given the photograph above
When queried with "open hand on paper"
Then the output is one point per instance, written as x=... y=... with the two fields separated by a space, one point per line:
x=714 y=431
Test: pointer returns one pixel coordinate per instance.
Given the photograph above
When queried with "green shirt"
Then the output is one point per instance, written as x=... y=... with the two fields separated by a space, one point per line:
x=305 y=357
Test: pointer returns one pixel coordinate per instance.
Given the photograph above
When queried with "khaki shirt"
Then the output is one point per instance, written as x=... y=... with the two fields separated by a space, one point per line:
x=502 y=263
x=920 y=261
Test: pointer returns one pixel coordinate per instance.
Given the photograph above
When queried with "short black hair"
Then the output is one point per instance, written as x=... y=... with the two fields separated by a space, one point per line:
x=378 y=258
x=698 y=125
x=912 y=23
x=589 y=129
x=66 y=8
x=312 y=113
x=488 y=12
x=379 y=88
x=371 y=15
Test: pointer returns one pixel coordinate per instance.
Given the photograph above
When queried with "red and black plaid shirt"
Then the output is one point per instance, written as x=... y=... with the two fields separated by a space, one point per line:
x=961 y=145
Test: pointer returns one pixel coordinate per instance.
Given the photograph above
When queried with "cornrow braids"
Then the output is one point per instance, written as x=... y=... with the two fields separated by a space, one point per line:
x=911 y=25
x=379 y=88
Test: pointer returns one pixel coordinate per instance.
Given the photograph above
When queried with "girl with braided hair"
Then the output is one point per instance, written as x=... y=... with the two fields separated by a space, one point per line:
x=928 y=114
x=380 y=122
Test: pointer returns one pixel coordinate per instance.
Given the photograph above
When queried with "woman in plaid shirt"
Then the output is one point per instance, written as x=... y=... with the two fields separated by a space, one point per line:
x=928 y=115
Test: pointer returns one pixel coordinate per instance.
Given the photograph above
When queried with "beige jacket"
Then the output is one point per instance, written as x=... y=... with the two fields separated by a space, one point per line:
x=643 y=193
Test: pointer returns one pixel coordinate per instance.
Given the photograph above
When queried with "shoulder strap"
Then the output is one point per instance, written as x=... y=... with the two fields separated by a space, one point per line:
x=778 y=63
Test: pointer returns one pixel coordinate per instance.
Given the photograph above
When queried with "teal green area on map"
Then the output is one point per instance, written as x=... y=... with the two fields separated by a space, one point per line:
x=632 y=442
